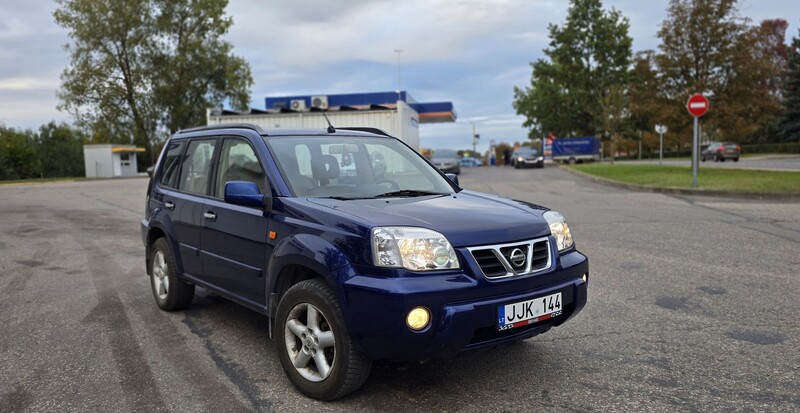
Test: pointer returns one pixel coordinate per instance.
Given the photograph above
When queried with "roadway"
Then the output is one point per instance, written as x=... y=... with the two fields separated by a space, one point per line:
x=692 y=306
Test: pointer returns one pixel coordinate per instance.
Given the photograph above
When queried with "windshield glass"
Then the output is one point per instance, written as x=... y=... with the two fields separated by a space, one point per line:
x=349 y=167
x=527 y=151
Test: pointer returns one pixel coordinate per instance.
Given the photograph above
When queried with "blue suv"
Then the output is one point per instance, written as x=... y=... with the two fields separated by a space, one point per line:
x=355 y=247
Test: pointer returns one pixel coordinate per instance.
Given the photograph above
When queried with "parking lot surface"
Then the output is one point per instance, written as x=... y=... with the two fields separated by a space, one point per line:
x=692 y=307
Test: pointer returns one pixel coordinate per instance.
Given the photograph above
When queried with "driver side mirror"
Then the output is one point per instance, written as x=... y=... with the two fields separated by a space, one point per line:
x=453 y=178
x=246 y=193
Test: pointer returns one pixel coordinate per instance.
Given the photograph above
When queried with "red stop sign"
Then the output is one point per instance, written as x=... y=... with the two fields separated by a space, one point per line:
x=697 y=105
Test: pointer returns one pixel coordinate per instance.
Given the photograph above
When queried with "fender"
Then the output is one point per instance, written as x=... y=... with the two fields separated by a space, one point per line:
x=311 y=251
x=164 y=223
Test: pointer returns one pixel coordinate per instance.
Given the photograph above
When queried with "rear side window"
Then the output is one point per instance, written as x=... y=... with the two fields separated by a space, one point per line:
x=196 y=166
x=172 y=163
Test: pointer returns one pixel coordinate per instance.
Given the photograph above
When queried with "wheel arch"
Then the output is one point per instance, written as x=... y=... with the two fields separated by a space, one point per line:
x=298 y=258
x=158 y=230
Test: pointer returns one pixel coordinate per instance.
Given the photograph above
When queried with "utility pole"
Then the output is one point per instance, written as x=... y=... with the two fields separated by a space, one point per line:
x=398 y=51
x=474 y=140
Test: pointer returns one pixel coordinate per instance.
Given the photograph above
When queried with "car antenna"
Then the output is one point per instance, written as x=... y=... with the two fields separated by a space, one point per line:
x=331 y=129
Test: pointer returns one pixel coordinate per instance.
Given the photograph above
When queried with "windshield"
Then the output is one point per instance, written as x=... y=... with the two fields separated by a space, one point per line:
x=527 y=151
x=349 y=167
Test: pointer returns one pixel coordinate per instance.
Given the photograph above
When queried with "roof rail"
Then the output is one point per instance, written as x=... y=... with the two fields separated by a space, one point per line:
x=226 y=126
x=366 y=129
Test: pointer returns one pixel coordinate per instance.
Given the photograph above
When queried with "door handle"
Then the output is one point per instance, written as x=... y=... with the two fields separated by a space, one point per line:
x=169 y=205
x=210 y=216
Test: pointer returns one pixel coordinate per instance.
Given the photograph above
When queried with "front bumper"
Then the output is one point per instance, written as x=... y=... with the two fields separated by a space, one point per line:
x=463 y=309
x=531 y=162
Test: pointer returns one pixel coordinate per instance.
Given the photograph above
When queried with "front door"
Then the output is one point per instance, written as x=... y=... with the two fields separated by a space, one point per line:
x=235 y=249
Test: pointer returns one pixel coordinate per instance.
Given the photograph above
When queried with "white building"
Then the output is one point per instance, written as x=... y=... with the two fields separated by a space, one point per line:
x=110 y=160
x=394 y=113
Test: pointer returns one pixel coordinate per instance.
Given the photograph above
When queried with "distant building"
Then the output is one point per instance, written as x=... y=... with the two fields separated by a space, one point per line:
x=397 y=114
x=110 y=160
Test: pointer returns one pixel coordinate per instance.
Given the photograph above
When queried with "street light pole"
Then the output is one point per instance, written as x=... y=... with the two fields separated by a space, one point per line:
x=398 y=51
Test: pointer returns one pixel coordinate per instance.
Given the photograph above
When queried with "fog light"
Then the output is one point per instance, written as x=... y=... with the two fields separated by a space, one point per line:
x=418 y=318
x=585 y=278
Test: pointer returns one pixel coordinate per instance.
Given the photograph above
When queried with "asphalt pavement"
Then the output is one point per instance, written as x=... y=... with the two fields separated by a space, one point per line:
x=692 y=307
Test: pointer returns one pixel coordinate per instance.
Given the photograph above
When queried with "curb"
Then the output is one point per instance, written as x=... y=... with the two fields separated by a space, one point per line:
x=683 y=191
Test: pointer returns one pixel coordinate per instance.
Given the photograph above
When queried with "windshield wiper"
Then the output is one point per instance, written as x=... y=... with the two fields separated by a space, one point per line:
x=341 y=198
x=407 y=193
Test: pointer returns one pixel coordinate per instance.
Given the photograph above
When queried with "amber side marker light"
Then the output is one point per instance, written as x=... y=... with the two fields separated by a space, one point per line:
x=273 y=235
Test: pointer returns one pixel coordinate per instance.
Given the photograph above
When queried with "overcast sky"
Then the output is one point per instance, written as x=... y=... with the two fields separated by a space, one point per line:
x=469 y=52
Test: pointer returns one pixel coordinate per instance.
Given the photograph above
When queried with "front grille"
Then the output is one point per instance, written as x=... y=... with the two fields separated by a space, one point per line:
x=489 y=263
x=506 y=260
x=540 y=259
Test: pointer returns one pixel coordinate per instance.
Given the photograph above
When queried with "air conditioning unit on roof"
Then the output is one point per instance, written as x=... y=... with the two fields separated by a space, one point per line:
x=319 y=102
x=297 y=104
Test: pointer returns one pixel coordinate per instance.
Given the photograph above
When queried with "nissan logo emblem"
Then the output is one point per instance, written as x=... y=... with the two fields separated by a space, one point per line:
x=517 y=257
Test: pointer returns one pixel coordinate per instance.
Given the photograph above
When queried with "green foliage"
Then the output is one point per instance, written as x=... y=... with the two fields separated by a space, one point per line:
x=59 y=149
x=18 y=158
x=789 y=126
x=588 y=68
x=142 y=68
x=707 y=48
x=55 y=152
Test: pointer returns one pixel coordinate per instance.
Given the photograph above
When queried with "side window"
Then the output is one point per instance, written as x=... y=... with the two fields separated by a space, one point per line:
x=172 y=163
x=196 y=166
x=238 y=162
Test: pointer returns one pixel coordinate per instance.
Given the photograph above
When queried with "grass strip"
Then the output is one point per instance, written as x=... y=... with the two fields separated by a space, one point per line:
x=711 y=179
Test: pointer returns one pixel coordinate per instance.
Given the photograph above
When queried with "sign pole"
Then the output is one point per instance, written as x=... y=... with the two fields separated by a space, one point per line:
x=640 y=145
x=697 y=105
x=695 y=149
x=661 y=148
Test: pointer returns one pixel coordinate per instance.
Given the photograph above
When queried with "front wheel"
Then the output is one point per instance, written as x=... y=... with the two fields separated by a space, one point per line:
x=313 y=345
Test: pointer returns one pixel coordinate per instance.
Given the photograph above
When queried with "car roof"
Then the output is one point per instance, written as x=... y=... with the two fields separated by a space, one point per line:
x=272 y=132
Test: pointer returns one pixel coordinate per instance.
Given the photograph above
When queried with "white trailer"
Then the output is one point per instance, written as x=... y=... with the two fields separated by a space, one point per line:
x=401 y=122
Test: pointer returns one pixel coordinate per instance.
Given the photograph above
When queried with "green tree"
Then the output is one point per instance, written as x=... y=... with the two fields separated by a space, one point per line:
x=198 y=69
x=589 y=58
x=18 y=158
x=706 y=47
x=789 y=125
x=59 y=149
x=140 y=68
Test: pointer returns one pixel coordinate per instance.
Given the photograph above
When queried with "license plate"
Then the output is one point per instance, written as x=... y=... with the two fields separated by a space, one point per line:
x=528 y=312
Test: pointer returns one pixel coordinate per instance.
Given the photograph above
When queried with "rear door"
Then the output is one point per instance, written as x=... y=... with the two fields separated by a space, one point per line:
x=235 y=249
x=187 y=201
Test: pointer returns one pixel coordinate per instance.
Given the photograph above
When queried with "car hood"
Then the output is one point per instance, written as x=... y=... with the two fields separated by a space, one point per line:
x=466 y=218
x=444 y=160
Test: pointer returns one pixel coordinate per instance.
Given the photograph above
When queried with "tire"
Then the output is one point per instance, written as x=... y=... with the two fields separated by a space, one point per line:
x=703 y=158
x=716 y=158
x=171 y=293
x=572 y=161
x=516 y=165
x=736 y=159
x=297 y=338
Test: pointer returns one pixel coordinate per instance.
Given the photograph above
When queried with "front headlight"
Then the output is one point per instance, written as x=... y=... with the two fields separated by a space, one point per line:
x=559 y=230
x=520 y=159
x=416 y=249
